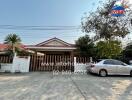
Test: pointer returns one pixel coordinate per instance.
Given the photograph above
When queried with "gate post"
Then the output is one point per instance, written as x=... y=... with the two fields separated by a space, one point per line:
x=29 y=58
x=14 y=60
x=75 y=63
x=91 y=59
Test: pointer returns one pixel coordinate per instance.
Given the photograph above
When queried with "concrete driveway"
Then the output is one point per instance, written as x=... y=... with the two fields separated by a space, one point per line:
x=46 y=86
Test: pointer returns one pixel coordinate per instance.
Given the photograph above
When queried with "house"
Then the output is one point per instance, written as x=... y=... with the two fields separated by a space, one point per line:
x=53 y=46
x=60 y=56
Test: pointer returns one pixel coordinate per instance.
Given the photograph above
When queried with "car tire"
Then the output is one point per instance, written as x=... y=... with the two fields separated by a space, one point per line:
x=131 y=73
x=103 y=73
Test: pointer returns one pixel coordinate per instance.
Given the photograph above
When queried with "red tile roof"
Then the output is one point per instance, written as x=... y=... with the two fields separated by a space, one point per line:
x=4 y=47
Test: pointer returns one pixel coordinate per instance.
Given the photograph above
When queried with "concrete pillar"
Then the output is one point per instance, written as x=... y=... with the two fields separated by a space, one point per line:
x=75 y=63
x=91 y=59
x=14 y=60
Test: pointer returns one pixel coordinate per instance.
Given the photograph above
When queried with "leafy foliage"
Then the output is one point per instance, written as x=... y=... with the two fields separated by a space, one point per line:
x=108 y=49
x=128 y=51
x=13 y=41
x=104 y=25
x=85 y=46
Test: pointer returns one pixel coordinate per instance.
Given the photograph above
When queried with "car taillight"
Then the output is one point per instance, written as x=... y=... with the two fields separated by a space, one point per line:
x=92 y=65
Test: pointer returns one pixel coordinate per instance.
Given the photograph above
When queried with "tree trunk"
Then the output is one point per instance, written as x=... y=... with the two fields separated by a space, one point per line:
x=13 y=49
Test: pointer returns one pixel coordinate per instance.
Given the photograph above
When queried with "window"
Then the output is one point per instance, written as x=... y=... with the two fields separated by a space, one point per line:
x=110 y=62
x=113 y=62
x=118 y=62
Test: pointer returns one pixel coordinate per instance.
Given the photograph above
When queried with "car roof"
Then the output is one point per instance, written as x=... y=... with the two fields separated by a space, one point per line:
x=99 y=60
x=106 y=59
x=102 y=61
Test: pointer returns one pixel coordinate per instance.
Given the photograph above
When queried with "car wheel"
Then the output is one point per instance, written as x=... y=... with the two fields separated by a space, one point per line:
x=131 y=73
x=103 y=73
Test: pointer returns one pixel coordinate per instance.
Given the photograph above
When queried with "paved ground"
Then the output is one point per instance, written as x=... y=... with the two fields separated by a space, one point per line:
x=46 y=86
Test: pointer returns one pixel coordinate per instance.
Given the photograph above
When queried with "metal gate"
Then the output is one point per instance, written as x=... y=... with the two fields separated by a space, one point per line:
x=51 y=63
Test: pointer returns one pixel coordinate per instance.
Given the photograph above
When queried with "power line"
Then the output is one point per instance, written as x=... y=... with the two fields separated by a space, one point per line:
x=36 y=26
x=42 y=33
x=46 y=28
x=49 y=35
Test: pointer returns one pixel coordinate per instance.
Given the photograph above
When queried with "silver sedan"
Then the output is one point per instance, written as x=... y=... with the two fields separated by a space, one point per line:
x=111 y=67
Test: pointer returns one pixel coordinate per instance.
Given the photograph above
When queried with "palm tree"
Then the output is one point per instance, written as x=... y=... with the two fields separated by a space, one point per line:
x=13 y=41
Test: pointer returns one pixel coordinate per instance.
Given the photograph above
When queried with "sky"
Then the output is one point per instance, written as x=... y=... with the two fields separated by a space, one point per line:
x=44 y=13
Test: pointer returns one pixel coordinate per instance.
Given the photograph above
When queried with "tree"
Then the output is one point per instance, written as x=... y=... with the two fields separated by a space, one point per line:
x=104 y=25
x=85 y=46
x=13 y=41
x=127 y=53
x=108 y=49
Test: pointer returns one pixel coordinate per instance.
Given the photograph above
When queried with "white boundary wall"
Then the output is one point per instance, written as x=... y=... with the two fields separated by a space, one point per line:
x=20 y=64
x=80 y=67
x=5 y=67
